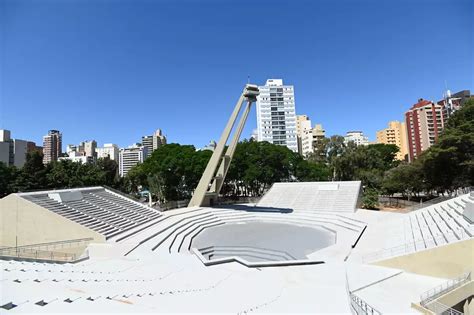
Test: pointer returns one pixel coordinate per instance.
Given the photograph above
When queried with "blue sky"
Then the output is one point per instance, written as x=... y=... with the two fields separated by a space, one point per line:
x=116 y=70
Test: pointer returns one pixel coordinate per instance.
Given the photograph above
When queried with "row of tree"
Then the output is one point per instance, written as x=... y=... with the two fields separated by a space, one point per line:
x=34 y=175
x=173 y=171
x=444 y=167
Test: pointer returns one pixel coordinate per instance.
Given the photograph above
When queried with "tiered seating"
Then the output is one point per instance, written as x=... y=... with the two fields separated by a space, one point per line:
x=436 y=225
x=178 y=233
x=119 y=201
x=314 y=196
x=245 y=252
x=37 y=287
x=99 y=210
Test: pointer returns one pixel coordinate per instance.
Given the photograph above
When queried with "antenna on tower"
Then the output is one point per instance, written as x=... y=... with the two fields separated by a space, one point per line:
x=248 y=79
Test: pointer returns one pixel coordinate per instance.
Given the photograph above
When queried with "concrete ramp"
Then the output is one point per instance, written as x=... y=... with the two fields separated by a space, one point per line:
x=314 y=196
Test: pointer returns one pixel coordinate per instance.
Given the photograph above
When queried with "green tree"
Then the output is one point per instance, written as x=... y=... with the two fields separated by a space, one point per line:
x=370 y=199
x=175 y=169
x=449 y=164
x=110 y=171
x=8 y=175
x=32 y=175
x=406 y=179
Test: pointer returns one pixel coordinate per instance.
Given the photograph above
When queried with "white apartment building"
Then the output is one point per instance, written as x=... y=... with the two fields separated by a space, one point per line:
x=85 y=149
x=77 y=157
x=12 y=151
x=357 y=137
x=276 y=118
x=109 y=150
x=130 y=157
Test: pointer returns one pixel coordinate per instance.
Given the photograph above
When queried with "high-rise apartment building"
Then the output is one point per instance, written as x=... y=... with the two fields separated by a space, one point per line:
x=130 y=157
x=153 y=142
x=396 y=134
x=304 y=135
x=109 y=150
x=424 y=122
x=276 y=118
x=357 y=137
x=319 y=134
x=5 y=146
x=13 y=151
x=52 y=146
x=452 y=102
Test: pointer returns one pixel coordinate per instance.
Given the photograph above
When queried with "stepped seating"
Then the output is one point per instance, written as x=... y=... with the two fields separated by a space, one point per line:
x=36 y=287
x=435 y=225
x=444 y=221
x=177 y=236
x=313 y=196
x=98 y=209
x=245 y=252
x=176 y=231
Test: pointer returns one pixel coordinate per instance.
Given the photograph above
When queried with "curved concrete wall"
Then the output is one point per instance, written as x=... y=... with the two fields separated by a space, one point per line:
x=28 y=223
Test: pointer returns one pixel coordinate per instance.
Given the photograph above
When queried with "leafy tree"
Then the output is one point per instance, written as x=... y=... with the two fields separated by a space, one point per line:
x=406 y=179
x=320 y=151
x=110 y=171
x=449 y=164
x=370 y=198
x=32 y=175
x=7 y=176
x=175 y=168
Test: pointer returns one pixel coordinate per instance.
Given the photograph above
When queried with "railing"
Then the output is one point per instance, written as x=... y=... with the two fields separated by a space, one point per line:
x=439 y=199
x=43 y=251
x=35 y=254
x=54 y=245
x=444 y=288
x=430 y=202
x=174 y=205
x=360 y=306
x=440 y=308
x=411 y=247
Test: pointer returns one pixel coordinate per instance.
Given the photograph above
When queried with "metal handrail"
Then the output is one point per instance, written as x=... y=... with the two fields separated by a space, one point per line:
x=440 y=308
x=28 y=253
x=444 y=288
x=361 y=307
x=52 y=244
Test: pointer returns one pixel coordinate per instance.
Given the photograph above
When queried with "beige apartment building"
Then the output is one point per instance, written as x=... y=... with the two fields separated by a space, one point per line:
x=304 y=135
x=396 y=133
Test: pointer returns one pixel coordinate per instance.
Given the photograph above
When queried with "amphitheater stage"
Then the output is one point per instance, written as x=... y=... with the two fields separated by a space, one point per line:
x=262 y=241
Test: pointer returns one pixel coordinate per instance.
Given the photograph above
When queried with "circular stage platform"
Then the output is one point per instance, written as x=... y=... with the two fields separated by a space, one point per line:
x=263 y=241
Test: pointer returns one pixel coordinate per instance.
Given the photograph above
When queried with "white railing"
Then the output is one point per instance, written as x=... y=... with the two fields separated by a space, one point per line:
x=360 y=307
x=43 y=255
x=55 y=245
x=44 y=251
x=440 y=308
x=444 y=288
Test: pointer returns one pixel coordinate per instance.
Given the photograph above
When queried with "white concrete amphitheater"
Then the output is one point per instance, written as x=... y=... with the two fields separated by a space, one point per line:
x=304 y=247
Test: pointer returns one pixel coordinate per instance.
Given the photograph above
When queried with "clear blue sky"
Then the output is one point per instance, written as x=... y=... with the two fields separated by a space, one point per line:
x=116 y=70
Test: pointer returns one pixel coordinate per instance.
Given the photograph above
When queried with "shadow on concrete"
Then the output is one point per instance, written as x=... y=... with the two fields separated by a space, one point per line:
x=252 y=208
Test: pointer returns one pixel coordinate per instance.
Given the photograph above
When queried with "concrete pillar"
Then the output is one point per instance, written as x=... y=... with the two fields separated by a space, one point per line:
x=209 y=177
